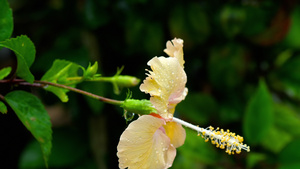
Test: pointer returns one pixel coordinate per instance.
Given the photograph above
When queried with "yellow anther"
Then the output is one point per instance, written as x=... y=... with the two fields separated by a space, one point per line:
x=232 y=143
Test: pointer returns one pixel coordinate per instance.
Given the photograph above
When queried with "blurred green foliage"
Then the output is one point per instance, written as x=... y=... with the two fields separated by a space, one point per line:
x=242 y=59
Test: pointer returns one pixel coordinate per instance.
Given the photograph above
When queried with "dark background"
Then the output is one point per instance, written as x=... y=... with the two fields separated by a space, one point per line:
x=228 y=47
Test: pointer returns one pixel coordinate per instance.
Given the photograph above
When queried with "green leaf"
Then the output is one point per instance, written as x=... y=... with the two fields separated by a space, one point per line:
x=32 y=157
x=4 y=72
x=25 y=52
x=289 y=70
x=290 y=39
x=290 y=166
x=6 y=20
x=60 y=93
x=289 y=77
x=254 y=158
x=35 y=118
x=259 y=115
x=287 y=119
x=286 y=126
x=290 y=154
x=69 y=148
x=59 y=73
x=277 y=144
x=3 y=108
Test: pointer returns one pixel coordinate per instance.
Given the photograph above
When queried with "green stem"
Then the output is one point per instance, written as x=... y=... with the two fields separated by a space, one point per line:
x=38 y=83
x=98 y=79
x=77 y=78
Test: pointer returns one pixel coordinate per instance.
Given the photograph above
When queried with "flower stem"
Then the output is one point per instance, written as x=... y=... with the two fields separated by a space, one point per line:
x=103 y=99
x=38 y=83
x=2 y=97
x=98 y=79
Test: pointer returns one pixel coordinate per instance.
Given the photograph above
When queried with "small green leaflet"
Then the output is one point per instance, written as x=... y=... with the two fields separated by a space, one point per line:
x=3 y=108
x=25 y=52
x=35 y=118
x=4 y=72
x=259 y=115
x=59 y=73
x=6 y=20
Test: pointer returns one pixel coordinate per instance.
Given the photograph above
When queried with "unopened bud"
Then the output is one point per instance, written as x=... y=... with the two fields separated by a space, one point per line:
x=141 y=107
x=91 y=70
x=121 y=81
x=126 y=81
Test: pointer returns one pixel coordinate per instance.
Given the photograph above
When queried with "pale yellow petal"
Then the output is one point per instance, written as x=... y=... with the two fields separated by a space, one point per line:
x=144 y=145
x=176 y=133
x=165 y=84
x=175 y=49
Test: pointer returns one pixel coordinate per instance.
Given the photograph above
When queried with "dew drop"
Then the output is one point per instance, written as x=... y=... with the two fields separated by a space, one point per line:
x=128 y=115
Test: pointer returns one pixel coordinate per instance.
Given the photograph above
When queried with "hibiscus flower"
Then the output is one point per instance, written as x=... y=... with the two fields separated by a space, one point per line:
x=150 y=142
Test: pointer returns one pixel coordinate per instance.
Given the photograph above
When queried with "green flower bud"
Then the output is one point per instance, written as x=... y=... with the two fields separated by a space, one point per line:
x=138 y=106
x=91 y=70
x=126 y=81
x=121 y=81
